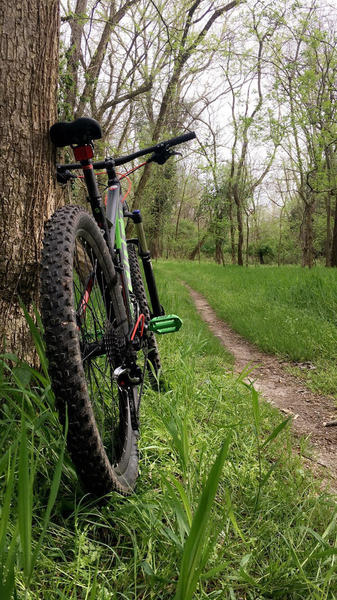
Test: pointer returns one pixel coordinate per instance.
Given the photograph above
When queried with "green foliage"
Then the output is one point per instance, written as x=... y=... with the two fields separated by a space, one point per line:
x=158 y=202
x=286 y=311
x=196 y=547
x=249 y=529
x=27 y=484
x=264 y=250
x=181 y=245
x=66 y=84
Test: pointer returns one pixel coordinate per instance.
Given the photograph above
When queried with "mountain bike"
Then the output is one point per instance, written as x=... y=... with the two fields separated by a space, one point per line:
x=96 y=315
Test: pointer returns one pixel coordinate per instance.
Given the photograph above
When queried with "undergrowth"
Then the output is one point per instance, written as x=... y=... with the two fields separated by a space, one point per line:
x=223 y=509
x=288 y=311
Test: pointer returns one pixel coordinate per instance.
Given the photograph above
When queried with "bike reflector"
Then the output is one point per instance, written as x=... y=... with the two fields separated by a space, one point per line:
x=83 y=152
x=165 y=324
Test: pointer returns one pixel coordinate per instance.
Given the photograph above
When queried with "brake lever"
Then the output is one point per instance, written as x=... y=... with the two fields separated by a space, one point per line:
x=161 y=156
x=64 y=176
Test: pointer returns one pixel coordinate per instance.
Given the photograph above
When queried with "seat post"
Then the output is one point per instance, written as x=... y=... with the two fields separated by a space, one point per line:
x=84 y=155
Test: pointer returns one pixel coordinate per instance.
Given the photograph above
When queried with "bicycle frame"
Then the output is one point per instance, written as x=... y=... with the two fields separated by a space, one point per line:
x=115 y=221
x=111 y=221
x=115 y=215
x=97 y=328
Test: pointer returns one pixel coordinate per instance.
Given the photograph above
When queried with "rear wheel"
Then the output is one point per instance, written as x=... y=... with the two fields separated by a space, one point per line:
x=151 y=347
x=85 y=326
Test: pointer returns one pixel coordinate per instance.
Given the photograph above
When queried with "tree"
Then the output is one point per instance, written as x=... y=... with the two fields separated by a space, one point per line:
x=215 y=200
x=251 y=115
x=28 y=86
x=187 y=29
x=306 y=68
x=98 y=64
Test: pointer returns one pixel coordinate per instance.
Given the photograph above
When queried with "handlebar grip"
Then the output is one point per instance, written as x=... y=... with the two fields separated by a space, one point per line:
x=158 y=147
x=180 y=139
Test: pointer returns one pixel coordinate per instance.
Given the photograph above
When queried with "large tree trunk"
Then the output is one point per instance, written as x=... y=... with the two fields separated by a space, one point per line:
x=28 y=88
x=73 y=56
x=328 y=202
x=219 y=257
x=334 y=240
x=328 y=231
x=155 y=228
x=180 y=208
x=247 y=240
x=308 y=235
x=279 y=246
x=197 y=248
x=240 y=226
x=232 y=230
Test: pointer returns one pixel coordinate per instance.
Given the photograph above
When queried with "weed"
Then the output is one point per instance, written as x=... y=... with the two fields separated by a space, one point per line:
x=207 y=521
x=288 y=311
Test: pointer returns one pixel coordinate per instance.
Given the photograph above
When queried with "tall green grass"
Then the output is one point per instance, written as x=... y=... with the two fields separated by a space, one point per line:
x=288 y=311
x=26 y=416
x=223 y=509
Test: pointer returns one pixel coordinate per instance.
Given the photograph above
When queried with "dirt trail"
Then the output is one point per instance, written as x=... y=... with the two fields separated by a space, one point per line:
x=309 y=411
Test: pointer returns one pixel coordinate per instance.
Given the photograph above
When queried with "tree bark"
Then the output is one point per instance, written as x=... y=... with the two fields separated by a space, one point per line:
x=73 y=56
x=232 y=230
x=240 y=225
x=197 y=248
x=328 y=231
x=334 y=240
x=180 y=208
x=185 y=49
x=308 y=235
x=247 y=239
x=28 y=89
x=280 y=239
x=219 y=257
x=156 y=226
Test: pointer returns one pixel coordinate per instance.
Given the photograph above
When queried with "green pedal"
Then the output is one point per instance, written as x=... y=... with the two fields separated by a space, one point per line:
x=165 y=324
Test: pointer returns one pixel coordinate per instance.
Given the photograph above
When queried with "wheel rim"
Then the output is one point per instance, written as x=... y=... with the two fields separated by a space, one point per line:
x=95 y=319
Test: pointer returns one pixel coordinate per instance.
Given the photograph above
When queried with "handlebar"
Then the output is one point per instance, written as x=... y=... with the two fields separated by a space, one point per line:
x=180 y=139
x=165 y=145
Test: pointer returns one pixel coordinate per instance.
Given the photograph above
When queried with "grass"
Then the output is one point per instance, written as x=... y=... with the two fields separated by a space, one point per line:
x=223 y=509
x=286 y=311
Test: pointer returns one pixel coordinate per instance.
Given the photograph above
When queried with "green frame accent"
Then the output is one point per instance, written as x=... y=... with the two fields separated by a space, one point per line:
x=121 y=245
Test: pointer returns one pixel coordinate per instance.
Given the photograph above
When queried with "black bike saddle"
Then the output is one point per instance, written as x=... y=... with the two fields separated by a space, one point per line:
x=79 y=132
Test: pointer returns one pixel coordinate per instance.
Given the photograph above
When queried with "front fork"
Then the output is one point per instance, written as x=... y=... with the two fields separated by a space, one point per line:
x=144 y=253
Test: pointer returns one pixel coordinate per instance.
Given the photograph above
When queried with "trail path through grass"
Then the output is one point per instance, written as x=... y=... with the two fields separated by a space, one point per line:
x=309 y=411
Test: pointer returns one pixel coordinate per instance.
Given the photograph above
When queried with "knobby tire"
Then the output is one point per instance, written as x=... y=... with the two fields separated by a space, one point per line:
x=85 y=325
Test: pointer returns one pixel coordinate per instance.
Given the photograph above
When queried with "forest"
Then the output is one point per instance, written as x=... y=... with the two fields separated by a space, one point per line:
x=222 y=442
x=258 y=85
x=255 y=80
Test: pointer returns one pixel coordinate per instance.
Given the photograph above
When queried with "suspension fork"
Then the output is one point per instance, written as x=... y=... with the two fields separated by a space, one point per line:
x=144 y=253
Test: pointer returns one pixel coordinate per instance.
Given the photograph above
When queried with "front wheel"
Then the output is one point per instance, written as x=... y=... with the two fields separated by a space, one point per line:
x=85 y=330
